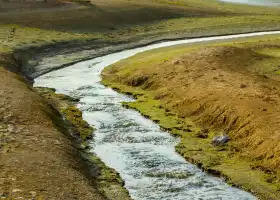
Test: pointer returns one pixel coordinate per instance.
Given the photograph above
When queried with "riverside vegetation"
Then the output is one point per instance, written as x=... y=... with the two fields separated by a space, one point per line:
x=108 y=180
x=33 y=146
x=197 y=91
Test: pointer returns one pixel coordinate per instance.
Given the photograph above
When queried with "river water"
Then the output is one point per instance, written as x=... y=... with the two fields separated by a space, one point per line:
x=134 y=146
x=256 y=2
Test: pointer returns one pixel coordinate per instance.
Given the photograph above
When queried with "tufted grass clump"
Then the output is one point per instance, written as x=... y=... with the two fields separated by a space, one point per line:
x=74 y=115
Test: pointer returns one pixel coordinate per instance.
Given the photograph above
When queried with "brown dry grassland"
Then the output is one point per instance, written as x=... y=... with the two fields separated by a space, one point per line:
x=198 y=91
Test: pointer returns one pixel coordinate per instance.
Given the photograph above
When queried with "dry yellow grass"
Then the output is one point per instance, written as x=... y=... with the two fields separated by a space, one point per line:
x=231 y=87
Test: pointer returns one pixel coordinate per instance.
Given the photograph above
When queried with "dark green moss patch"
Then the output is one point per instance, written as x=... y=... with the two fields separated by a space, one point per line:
x=74 y=115
x=65 y=105
x=108 y=180
x=170 y=175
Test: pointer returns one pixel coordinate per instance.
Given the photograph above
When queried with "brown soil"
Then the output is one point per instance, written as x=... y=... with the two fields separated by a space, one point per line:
x=217 y=88
x=36 y=160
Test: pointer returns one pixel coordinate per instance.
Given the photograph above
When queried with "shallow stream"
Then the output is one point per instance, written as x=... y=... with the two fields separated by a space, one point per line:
x=136 y=147
x=256 y=2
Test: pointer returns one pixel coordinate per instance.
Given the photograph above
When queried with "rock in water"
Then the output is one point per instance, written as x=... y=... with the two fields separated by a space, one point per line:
x=220 y=140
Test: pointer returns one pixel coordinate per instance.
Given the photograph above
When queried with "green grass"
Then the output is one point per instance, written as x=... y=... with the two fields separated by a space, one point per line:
x=16 y=37
x=216 y=5
x=124 y=20
x=65 y=106
x=107 y=180
x=197 y=27
x=74 y=115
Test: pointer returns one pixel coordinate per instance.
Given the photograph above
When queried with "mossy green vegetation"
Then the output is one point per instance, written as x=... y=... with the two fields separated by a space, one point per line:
x=65 y=105
x=17 y=37
x=219 y=161
x=150 y=77
x=170 y=175
x=74 y=115
x=108 y=181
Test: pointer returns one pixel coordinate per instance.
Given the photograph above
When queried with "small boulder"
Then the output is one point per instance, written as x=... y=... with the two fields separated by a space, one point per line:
x=220 y=140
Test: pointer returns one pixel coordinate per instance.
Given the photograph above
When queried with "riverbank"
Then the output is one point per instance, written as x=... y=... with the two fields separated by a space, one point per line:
x=107 y=180
x=37 y=160
x=186 y=89
x=45 y=140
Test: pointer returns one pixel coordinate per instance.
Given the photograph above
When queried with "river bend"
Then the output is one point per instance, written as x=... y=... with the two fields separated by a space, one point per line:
x=136 y=147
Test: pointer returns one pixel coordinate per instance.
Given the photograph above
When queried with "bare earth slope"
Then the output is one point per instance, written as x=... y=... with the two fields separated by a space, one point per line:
x=36 y=160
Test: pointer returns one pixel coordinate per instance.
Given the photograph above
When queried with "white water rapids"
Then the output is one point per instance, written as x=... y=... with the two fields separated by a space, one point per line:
x=134 y=146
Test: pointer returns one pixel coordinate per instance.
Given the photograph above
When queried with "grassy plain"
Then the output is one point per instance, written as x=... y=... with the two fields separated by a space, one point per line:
x=37 y=23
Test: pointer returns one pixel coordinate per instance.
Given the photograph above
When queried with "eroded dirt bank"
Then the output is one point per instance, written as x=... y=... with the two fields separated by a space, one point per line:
x=44 y=156
x=197 y=92
x=37 y=160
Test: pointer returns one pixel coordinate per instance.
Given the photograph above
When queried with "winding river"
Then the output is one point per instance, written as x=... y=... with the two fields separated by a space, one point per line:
x=137 y=148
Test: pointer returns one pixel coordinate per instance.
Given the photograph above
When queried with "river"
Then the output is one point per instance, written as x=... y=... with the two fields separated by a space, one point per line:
x=256 y=2
x=136 y=147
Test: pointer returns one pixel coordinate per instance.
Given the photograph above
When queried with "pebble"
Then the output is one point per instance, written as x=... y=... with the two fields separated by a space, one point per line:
x=16 y=190
x=220 y=140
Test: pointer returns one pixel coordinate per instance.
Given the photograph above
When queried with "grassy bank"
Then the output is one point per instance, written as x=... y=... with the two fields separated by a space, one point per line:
x=37 y=160
x=108 y=181
x=198 y=91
